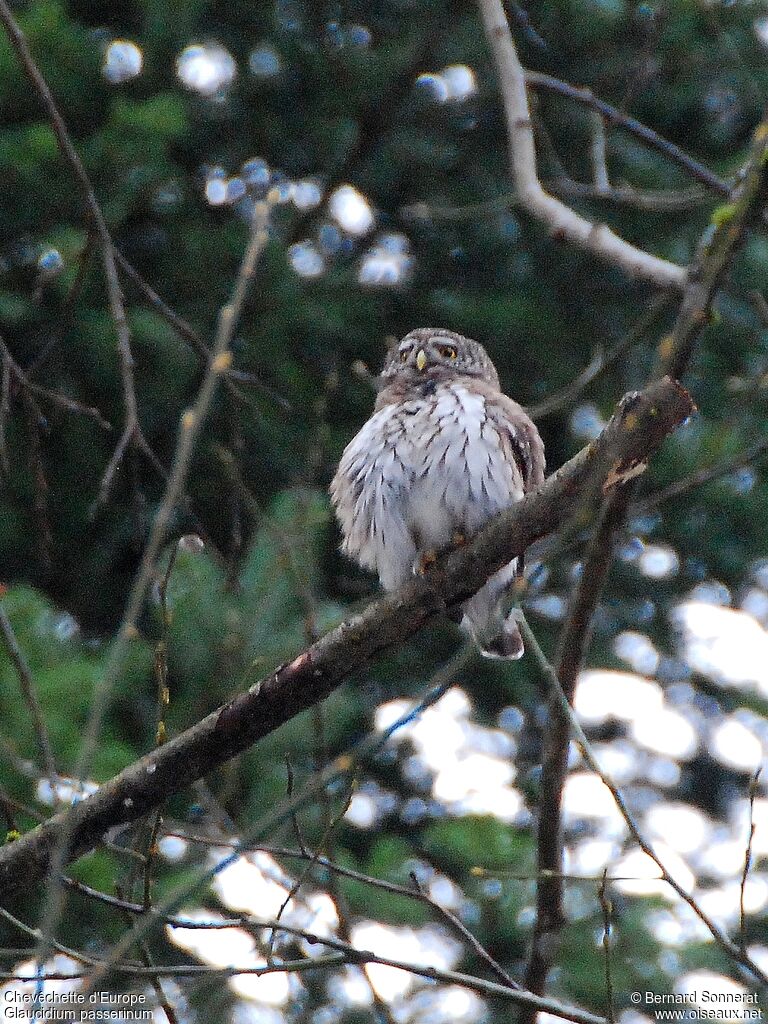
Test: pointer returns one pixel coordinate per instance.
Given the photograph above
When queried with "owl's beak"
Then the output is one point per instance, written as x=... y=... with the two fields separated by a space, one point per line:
x=421 y=359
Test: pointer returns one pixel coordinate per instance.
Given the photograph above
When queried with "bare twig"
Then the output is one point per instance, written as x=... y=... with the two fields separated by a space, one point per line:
x=382 y=1008
x=55 y=397
x=5 y=408
x=612 y=116
x=747 y=860
x=341 y=767
x=458 y=926
x=649 y=200
x=188 y=334
x=751 y=454
x=563 y=222
x=155 y=981
x=415 y=893
x=64 y=315
x=7 y=808
x=29 y=692
x=36 y=424
x=523 y=22
x=347 y=954
x=132 y=434
x=598 y=152
x=330 y=826
x=605 y=906
x=34 y=933
x=599 y=362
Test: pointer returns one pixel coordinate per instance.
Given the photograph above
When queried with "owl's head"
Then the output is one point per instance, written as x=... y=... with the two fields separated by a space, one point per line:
x=435 y=353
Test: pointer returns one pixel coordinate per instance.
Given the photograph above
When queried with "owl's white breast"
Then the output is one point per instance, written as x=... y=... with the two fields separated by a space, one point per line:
x=462 y=476
x=419 y=471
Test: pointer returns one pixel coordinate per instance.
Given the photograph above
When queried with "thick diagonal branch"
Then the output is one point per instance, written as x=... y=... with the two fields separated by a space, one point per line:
x=639 y=426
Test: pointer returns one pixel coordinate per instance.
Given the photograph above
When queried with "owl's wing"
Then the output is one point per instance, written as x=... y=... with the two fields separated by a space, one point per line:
x=520 y=439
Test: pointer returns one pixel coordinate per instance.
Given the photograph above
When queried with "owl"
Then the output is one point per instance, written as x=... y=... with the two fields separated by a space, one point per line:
x=443 y=452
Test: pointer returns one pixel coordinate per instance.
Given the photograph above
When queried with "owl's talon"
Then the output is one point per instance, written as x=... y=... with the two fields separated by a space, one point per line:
x=424 y=562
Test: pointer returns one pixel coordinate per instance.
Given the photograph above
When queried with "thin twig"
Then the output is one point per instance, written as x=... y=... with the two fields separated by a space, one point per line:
x=747 y=860
x=7 y=808
x=599 y=362
x=350 y=954
x=605 y=906
x=36 y=423
x=294 y=817
x=330 y=826
x=34 y=933
x=5 y=407
x=612 y=116
x=347 y=954
x=55 y=397
x=195 y=341
x=458 y=926
x=415 y=893
x=132 y=434
x=155 y=981
x=751 y=454
x=64 y=315
x=341 y=766
x=29 y=692
x=598 y=152
x=648 y=200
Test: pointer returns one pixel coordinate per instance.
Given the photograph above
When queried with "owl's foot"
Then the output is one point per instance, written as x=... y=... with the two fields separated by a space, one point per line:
x=424 y=561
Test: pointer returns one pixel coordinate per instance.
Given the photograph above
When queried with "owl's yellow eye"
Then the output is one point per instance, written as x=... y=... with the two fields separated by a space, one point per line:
x=404 y=355
x=447 y=351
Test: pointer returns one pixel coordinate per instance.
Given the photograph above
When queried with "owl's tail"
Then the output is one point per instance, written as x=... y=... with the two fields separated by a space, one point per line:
x=490 y=622
x=508 y=644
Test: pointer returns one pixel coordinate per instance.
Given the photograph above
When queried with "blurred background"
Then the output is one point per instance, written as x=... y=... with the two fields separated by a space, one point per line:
x=377 y=132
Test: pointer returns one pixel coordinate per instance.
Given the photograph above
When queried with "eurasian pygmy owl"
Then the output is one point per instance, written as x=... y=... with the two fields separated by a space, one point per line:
x=443 y=452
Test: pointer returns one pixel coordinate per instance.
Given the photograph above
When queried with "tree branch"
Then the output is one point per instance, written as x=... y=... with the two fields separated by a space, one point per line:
x=132 y=434
x=562 y=703
x=348 y=954
x=637 y=429
x=613 y=116
x=563 y=222
x=29 y=693
x=190 y=427
x=717 y=248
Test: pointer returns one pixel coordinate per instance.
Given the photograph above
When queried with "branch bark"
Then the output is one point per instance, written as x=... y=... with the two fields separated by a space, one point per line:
x=640 y=424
